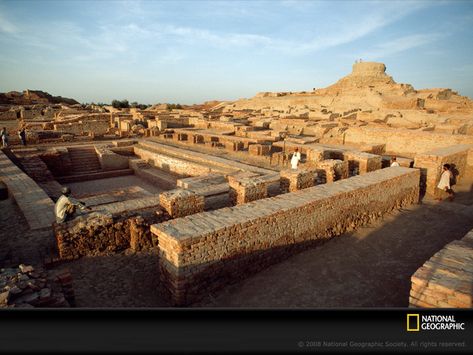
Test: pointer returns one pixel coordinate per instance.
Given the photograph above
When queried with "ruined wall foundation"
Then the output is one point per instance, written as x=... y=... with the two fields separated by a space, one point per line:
x=204 y=252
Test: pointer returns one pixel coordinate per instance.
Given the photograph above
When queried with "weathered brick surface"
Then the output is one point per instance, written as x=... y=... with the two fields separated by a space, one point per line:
x=185 y=162
x=180 y=202
x=431 y=164
x=259 y=149
x=34 y=203
x=315 y=154
x=205 y=251
x=110 y=160
x=362 y=163
x=103 y=233
x=445 y=280
x=404 y=141
x=247 y=189
x=331 y=170
x=201 y=181
x=163 y=179
x=293 y=180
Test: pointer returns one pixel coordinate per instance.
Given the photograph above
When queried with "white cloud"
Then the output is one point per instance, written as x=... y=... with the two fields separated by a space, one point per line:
x=6 y=25
x=399 y=45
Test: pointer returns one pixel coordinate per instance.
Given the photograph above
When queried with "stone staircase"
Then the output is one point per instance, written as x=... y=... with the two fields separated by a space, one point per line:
x=35 y=168
x=84 y=160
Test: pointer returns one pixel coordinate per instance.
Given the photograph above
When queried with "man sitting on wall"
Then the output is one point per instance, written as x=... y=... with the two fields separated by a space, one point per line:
x=66 y=206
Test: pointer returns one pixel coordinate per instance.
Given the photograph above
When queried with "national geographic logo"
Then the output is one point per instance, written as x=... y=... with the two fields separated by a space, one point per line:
x=416 y=322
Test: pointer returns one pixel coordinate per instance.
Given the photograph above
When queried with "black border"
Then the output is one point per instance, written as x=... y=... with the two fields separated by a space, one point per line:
x=174 y=330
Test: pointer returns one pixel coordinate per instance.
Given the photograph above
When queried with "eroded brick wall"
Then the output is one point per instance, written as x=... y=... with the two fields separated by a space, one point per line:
x=446 y=279
x=205 y=251
x=105 y=233
x=404 y=141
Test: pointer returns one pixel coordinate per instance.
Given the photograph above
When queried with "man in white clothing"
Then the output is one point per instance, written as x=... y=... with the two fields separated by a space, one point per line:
x=296 y=157
x=444 y=185
x=394 y=162
x=66 y=206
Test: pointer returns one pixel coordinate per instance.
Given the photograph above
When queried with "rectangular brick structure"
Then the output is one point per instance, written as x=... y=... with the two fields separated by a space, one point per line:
x=362 y=162
x=180 y=202
x=293 y=180
x=247 y=189
x=331 y=170
x=259 y=149
x=206 y=251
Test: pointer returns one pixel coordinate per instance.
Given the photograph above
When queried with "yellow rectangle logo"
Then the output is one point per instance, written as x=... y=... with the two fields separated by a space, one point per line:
x=413 y=321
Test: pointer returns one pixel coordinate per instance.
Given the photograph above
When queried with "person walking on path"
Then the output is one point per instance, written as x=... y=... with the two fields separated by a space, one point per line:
x=296 y=157
x=4 y=135
x=66 y=206
x=444 y=185
x=22 y=134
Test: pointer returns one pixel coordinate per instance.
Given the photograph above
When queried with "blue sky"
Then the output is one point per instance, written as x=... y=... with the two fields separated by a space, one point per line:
x=193 y=51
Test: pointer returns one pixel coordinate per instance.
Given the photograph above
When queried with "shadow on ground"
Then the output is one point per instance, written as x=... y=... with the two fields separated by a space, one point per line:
x=370 y=267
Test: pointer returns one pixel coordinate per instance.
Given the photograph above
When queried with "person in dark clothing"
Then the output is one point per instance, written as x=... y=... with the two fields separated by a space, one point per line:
x=22 y=135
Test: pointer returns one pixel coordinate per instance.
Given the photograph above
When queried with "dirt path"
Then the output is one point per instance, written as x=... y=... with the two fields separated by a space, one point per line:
x=368 y=268
x=116 y=281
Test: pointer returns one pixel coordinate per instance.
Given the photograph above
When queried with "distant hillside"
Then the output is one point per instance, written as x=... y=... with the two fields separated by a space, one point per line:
x=33 y=97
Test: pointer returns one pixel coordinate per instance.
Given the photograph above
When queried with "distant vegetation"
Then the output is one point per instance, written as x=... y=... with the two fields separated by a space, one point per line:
x=173 y=106
x=120 y=104
x=125 y=104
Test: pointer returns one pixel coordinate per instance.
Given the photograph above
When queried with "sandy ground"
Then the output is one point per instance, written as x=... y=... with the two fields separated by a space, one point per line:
x=17 y=243
x=111 y=184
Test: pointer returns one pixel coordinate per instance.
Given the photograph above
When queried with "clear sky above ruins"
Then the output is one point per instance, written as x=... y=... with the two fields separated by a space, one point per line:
x=189 y=52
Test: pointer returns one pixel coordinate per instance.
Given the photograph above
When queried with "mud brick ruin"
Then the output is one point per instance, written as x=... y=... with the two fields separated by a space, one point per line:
x=207 y=195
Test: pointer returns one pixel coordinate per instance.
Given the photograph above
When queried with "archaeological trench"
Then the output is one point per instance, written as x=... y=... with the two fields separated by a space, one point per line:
x=191 y=206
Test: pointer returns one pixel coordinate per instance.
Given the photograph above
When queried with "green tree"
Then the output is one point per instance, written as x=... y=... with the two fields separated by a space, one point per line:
x=120 y=104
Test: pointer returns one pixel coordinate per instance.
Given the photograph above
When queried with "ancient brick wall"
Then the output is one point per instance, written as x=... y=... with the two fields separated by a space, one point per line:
x=404 y=141
x=185 y=162
x=293 y=180
x=174 y=164
x=362 y=162
x=446 y=279
x=110 y=160
x=180 y=202
x=431 y=165
x=58 y=161
x=79 y=128
x=247 y=189
x=205 y=251
x=331 y=170
x=107 y=232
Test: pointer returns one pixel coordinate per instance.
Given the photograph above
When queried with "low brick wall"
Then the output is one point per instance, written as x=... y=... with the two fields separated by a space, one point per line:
x=405 y=141
x=190 y=163
x=180 y=202
x=431 y=164
x=111 y=229
x=293 y=180
x=34 y=203
x=206 y=251
x=446 y=279
x=331 y=170
x=110 y=160
x=362 y=162
x=102 y=234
